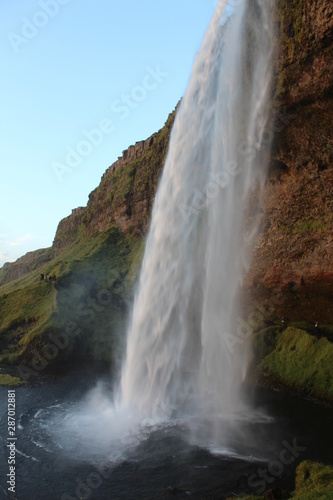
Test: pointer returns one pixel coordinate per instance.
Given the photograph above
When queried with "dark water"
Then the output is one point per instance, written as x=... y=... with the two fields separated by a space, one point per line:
x=62 y=455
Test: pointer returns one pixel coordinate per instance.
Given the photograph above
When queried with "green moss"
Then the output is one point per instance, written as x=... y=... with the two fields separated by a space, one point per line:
x=292 y=38
x=137 y=256
x=33 y=260
x=317 y=225
x=93 y=290
x=290 y=15
x=9 y=381
x=282 y=84
x=81 y=231
x=131 y=184
x=305 y=226
x=313 y=480
x=303 y=362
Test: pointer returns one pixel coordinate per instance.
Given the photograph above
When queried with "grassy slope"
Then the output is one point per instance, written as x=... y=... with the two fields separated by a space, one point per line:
x=313 y=480
x=32 y=261
x=94 y=276
x=95 y=268
x=9 y=381
x=296 y=359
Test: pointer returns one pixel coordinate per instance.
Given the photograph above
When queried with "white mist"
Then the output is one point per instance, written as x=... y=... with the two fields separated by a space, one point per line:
x=197 y=250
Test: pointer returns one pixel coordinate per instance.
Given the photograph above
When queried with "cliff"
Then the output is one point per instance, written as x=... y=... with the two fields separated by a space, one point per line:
x=95 y=258
x=97 y=249
x=294 y=253
x=24 y=265
x=289 y=287
x=125 y=194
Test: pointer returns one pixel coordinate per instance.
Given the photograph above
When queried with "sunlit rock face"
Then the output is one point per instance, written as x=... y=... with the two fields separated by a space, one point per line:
x=181 y=345
x=294 y=253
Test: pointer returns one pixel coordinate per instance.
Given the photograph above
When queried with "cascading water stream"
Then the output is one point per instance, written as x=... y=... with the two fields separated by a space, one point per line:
x=186 y=357
x=179 y=345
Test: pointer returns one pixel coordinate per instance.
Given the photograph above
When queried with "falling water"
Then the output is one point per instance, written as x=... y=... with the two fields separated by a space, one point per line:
x=184 y=340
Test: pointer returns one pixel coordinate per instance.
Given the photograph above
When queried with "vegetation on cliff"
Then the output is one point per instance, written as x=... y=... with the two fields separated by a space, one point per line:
x=86 y=303
x=10 y=381
x=95 y=258
x=293 y=257
x=313 y=480
x=295 y=359
x=97 y=249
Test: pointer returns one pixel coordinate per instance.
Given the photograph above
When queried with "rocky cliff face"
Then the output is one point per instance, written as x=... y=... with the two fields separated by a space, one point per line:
x=292 y=268
x=125 y=194
x=293 y=256
x=294 y=253
x=24 y=265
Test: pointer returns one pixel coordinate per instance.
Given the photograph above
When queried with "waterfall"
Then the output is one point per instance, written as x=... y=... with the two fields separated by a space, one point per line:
x=185 y=339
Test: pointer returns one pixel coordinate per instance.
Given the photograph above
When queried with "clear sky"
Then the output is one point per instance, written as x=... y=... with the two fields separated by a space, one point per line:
x=69 y=68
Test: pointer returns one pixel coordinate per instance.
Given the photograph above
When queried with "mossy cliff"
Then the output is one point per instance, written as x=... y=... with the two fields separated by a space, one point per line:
x=293 y=258
x=80 y=310
x=97 y=250
x=290 y=282
x=313 y=481
x=295 y=359
x=125 y=195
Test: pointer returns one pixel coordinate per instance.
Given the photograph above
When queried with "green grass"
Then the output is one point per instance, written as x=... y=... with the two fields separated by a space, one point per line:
x=302 y=362
x=313 y=480
x=131 y=184
x=9 y=381
x=27 y=303
x=88 y=267
x=33 y=260
x=305 y=226
x=94 y=278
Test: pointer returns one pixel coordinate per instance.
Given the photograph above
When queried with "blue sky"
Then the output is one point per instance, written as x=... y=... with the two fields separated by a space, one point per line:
x=81 y=81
